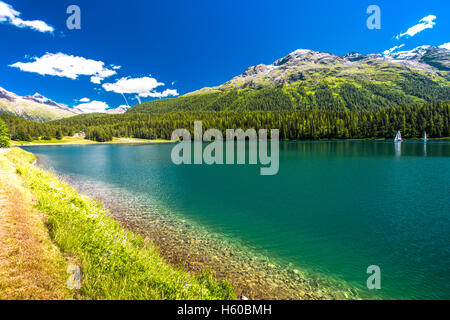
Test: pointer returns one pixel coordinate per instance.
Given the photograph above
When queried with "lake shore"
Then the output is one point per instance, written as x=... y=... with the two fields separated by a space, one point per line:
x=314 y=221
x=115 y=262
x=82 y=141
x=253 y=275
x=191 y=247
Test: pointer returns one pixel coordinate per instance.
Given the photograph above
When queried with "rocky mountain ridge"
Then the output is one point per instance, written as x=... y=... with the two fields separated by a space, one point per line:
x=306 y=79
x=37 y=107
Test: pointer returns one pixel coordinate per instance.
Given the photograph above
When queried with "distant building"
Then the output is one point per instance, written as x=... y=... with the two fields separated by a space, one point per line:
x=80 y=134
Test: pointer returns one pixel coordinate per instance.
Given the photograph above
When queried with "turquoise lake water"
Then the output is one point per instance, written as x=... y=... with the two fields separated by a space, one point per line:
x=334 y=208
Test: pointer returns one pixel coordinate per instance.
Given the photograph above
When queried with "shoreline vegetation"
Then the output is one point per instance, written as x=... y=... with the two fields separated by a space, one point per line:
x=183 y=242
x=81 y=141
x=31 y=265
x=115 y=262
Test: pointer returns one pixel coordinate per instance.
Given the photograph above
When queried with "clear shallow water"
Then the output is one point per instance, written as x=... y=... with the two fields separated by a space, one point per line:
x=335 y=207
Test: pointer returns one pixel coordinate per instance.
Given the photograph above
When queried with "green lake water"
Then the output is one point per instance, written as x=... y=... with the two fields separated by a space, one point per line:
x=334 y=208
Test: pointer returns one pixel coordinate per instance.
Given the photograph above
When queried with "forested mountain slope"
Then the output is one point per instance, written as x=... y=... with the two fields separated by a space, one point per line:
x=310 y=80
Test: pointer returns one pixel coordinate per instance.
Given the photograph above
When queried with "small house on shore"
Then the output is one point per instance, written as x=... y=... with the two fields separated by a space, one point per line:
x=80 y=134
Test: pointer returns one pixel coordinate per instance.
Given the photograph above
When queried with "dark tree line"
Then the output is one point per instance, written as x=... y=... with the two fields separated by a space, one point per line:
x=412 y=120
x=26 y=130
x=4 y=135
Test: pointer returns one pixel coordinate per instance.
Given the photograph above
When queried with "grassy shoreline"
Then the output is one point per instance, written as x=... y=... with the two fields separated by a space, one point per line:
x=82 y=141
x=31 y=265
x=115 y=262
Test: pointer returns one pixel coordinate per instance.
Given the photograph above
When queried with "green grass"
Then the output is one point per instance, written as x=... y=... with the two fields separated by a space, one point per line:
x=115 y=263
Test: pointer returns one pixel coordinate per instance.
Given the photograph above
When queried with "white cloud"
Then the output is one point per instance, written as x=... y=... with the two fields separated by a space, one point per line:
x=424 y=23
x=388 y=51
x=93 y=106
x=144 y=87
x=84 y=100
x=11 y=16
x=166 y=93
x=445 y=46
x=68 y=66
x=96 y=79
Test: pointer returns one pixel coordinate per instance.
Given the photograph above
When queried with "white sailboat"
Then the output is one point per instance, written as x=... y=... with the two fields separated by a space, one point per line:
x=398 y=137
x=425 y=137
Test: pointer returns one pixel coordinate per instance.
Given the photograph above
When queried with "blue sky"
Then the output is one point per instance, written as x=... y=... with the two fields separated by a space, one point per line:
x=187 y=45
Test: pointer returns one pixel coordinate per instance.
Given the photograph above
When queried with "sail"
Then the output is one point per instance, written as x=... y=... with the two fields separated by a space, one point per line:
x=425 y=137
x=398 y=137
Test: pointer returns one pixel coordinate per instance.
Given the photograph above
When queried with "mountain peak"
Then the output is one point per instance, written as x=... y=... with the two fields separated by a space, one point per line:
x=35 y=107
x=409 y=54
x=4 y=94
x=300 y=56
x=38 y=95
x=424 y=57
x=308 y=68
x=39 y=98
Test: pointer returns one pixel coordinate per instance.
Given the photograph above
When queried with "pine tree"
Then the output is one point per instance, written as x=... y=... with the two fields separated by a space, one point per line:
x=59 y=134
x=4 y=135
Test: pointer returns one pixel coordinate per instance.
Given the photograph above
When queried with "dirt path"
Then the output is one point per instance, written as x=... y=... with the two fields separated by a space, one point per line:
x=31 y=266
